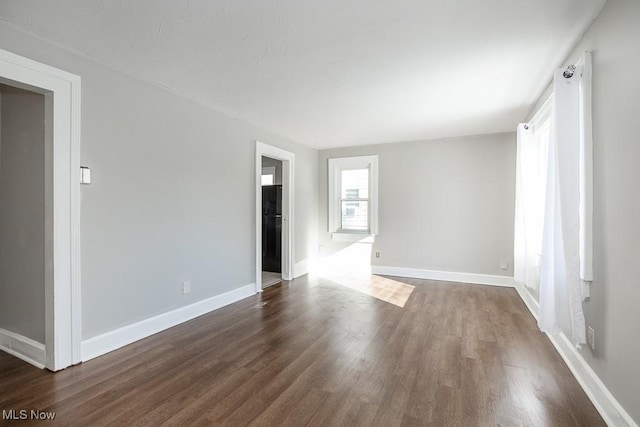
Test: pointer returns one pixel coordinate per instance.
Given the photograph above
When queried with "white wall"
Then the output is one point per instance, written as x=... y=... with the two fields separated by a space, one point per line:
x=172 y=197
x=612 y=309
x=443 y=205
x=22 y=212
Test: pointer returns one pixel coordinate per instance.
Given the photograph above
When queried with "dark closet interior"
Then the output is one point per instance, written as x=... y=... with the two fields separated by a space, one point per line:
x=272 y=228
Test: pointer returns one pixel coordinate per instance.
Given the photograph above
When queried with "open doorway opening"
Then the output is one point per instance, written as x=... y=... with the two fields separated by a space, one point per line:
x=271 y=180
x=58 y=227
x=274 y=215
x=24 y=244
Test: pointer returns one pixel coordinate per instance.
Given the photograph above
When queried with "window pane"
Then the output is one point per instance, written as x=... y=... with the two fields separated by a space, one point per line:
x=267 y=179
x=355 y=215
x=355 y=184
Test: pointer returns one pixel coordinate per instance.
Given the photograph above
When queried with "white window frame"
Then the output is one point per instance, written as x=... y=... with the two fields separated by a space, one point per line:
x=336 y=166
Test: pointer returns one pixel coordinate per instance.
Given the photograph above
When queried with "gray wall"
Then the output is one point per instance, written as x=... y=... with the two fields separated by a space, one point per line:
x=266 y=162
x=173 y=195
x=612 y=309
x=443 y=204
x=22 y=212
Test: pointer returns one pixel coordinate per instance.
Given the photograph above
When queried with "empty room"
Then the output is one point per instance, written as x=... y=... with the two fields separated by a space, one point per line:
x=336 y=213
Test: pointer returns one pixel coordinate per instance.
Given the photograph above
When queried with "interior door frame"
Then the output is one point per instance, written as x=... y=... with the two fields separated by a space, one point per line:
x=288 y=186
x=62 y=94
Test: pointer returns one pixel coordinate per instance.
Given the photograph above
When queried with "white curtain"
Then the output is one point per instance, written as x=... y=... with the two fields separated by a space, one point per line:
x=531 y=178
x=566 y=250
x=567 y=245
x=586 y=177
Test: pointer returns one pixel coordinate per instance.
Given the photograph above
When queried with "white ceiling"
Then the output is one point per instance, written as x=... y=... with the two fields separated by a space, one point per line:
x=332 y=72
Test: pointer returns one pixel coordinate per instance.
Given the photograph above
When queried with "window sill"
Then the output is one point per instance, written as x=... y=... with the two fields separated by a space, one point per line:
x=353 y=236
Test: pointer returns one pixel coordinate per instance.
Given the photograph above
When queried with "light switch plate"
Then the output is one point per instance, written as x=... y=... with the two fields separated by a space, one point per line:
x=85 y=175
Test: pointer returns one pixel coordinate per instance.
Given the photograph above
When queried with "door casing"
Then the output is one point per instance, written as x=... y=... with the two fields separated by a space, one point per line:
x=61 y=90
x=288 y=186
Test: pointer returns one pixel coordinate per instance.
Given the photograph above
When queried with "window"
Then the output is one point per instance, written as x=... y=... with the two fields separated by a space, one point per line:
x=354 y=199
x=268 y=175
x=353 y=184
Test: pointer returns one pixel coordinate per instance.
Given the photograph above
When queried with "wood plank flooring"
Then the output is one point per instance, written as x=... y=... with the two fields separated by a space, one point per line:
x=315 y=352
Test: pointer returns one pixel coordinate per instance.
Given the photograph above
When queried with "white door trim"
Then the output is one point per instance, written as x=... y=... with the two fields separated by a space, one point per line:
x=288 y=185
x=62 y=287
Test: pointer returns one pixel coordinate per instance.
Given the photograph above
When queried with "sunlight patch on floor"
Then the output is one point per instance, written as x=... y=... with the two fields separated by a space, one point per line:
x=351 y=267
x=382 y=288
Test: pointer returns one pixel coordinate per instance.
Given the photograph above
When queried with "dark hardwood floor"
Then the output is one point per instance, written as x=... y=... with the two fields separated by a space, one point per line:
x=315 y=352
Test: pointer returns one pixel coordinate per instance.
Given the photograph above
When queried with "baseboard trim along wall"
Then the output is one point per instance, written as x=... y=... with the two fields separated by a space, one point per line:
x=528 y=299
x=23 y=348
x=447 y=276
x=112 y=340
x=607 y=405
x=302 y=267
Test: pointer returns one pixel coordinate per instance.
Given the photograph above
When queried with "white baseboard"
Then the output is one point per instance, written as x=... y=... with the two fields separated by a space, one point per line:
x=23 y=348
x=448 y=276
x=301 y=268
x=112 y=340
x=528 y=299
x=609 y=408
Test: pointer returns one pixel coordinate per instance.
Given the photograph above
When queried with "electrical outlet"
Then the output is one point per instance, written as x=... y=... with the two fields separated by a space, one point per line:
x=377 y=254
x=504 y=265
x=186 y=287
x=591 y=338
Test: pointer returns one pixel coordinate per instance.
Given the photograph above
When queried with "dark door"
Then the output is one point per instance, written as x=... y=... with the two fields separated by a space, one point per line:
x=272 y=228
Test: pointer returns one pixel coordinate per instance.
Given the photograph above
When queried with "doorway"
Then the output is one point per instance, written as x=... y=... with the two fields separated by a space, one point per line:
x=271 y=180
x=60 y=92
x=23 y=240
x=274 y=215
